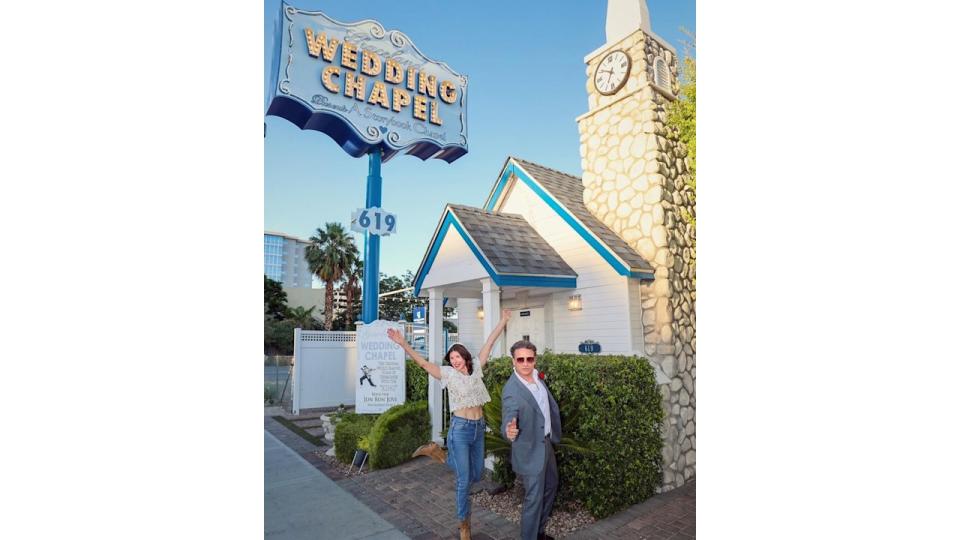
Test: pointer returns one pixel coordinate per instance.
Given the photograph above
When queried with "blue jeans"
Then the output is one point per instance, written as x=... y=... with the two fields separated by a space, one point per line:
x=465 y=457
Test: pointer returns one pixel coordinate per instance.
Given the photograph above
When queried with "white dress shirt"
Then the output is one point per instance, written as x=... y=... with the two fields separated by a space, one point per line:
x=539 y=392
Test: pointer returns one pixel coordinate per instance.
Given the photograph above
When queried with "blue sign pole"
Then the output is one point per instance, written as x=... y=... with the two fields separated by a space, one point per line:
x=371 y=244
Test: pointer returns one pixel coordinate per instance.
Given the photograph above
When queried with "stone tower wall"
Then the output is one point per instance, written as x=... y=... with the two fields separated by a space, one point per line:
x=634 y=176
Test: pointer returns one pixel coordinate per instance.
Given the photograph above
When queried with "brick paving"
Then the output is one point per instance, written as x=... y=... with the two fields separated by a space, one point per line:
x=671 y=515
x=418 y=498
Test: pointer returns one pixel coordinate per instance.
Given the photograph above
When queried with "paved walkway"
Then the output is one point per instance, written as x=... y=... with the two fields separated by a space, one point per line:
x=418 y=499
x=300 y=502
x=668 y=516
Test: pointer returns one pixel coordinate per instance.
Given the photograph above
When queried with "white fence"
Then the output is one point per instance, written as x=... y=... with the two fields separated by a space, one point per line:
x=325 y=367
x=323 y=370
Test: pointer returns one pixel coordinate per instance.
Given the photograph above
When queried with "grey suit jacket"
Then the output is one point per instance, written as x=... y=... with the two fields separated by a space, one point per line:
x=527 y=452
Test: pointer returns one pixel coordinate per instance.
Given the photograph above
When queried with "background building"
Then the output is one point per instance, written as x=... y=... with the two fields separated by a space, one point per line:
x=284 y=260
x=339 y=300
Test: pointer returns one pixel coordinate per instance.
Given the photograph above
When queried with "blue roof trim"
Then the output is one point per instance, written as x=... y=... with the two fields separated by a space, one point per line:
x=501 y=280
x=562 y=212
x=535 y=281
x=434 y=249
x=501 y=185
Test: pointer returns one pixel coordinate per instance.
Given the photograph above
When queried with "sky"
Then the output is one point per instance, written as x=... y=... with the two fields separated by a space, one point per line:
x=527 y=85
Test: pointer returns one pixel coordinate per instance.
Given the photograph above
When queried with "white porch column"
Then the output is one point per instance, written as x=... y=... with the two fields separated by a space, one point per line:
x=435 y=353
x=491 y=314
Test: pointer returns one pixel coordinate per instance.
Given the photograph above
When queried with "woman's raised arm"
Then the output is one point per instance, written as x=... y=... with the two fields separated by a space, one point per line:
x=397 y=337
x=488 y=346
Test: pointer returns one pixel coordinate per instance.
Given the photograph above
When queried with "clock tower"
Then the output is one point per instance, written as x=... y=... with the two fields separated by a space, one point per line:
x=635 y=181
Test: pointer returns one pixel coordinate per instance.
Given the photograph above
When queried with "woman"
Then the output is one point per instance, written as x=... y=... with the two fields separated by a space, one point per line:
x=463 y=380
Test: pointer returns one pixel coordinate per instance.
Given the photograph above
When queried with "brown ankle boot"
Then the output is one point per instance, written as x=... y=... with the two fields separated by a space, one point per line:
x=465 y=529
x=438 y=454
x=424 y=450
x=433 y=451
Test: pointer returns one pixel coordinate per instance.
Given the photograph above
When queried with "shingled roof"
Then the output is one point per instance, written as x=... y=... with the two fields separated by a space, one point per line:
x=568 y=190
x=510 y=244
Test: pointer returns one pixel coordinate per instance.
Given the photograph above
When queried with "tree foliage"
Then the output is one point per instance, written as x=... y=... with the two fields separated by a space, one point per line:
x=274 y=298
x=352 y=277
x=302 y=317
x=399 y=306
x=278 y=336
x=330 y=254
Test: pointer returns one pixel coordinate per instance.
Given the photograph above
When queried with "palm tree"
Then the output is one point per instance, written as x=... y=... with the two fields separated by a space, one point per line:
x=303 y=318
x=328 y=256
x=353 y=275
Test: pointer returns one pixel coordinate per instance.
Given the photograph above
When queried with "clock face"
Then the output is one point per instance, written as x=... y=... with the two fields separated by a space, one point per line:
x=612 y=73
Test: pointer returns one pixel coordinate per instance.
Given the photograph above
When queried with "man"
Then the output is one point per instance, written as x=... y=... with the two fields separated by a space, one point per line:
x=531 y=422
x=366 y=375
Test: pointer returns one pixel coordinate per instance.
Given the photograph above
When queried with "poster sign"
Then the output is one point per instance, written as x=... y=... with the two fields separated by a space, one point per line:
x=381 y=369
x=420 y=314
x=366 y=87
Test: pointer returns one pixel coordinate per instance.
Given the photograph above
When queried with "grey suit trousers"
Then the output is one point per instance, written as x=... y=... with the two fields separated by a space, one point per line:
x=540 y=490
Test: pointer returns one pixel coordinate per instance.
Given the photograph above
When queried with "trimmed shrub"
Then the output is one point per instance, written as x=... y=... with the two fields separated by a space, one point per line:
x=613 y=405
x=417 y=382
x=350 y=428
x=397 y=433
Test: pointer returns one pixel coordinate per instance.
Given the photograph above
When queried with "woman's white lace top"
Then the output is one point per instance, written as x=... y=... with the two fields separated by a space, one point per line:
x=464 y=390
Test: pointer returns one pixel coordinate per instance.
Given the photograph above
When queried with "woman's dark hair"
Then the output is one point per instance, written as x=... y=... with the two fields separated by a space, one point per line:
x=464 y=353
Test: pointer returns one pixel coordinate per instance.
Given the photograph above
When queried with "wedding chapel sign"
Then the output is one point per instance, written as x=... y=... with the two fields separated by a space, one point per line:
x=381 y=368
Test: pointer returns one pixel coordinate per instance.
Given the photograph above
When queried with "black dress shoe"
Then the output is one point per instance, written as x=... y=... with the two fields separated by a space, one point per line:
x=544 y=536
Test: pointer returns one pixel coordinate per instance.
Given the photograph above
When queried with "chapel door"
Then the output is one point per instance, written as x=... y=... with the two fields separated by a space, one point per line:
x=526 y=323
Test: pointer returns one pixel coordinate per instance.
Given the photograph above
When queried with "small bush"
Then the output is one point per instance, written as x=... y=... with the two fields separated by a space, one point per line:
x=494 y=444
x=417 y=382
x=363 y=444
x=611 y=404
x=503 y=471
x=350 y=428
x=397 y=433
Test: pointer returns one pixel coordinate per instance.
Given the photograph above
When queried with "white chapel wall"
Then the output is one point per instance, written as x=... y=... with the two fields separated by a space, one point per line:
x=454 y=262
x=605 y=316
x=469 y=326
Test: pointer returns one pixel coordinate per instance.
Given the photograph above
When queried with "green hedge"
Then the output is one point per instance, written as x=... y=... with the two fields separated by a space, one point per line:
x=397 y=433
x=417 y=381
x=611 y=404
x=350 y=428
x=353 y=426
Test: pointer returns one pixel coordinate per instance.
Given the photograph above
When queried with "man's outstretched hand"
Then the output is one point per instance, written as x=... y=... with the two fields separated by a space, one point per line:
x=512 y=430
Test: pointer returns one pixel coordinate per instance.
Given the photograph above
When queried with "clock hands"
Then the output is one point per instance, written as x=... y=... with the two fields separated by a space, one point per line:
x=612 y=72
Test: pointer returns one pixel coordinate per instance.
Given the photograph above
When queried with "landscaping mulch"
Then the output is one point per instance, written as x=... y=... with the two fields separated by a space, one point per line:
x=564 y=520
x=343 y=468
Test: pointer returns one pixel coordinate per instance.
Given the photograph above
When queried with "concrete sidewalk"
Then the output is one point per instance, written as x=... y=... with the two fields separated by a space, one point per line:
x=300 y=502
